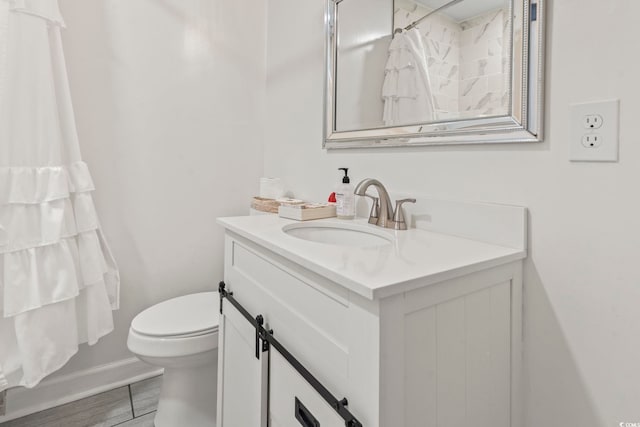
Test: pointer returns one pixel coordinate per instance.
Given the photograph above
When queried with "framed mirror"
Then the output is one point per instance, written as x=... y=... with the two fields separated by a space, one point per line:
x=430 y=72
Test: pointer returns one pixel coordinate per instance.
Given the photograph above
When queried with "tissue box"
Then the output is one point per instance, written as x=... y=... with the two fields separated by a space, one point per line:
x=307 y=211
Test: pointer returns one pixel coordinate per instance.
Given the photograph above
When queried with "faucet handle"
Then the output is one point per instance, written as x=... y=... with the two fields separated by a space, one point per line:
x=375 y=209
x=398 y=214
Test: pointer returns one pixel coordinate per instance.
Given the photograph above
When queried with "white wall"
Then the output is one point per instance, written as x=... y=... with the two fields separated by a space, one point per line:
x=169 y=99
x=582 y=281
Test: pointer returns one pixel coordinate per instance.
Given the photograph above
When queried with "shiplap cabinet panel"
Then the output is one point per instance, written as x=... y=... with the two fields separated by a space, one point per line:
x=421 y=368
x=457 y=361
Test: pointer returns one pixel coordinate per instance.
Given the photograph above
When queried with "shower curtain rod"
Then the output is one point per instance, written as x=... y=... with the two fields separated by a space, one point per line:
x=416 y=22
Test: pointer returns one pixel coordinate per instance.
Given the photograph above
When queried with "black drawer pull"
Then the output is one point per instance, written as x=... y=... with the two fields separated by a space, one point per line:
x=304 y=416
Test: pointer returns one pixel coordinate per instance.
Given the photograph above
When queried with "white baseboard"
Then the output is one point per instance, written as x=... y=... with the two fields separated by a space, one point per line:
x=78 y=385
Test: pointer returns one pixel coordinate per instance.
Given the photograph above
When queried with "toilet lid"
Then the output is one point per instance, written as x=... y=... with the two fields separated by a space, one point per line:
x=185 y=315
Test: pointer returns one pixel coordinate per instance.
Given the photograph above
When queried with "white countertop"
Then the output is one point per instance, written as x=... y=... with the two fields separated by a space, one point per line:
x=414 y=259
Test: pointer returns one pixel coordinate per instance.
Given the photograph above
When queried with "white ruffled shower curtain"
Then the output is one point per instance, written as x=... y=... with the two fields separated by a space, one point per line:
x=58 y=280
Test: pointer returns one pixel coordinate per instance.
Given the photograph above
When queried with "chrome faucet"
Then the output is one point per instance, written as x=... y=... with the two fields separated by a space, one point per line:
x=387 y=217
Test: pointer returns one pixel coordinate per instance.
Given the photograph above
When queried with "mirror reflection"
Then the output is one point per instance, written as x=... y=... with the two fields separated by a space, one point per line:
x=409 y=62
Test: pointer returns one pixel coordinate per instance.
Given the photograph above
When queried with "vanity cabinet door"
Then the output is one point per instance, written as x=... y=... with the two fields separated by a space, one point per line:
x=243 y=383
x=294 y=402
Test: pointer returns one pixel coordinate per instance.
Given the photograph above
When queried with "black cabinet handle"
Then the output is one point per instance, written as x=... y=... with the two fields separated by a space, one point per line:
x=305 y=417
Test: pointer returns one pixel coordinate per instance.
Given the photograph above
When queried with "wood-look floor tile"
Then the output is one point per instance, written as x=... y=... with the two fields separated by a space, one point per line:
x=102 y=410
x=3 y=402
x=145 y=395
x=143 y=421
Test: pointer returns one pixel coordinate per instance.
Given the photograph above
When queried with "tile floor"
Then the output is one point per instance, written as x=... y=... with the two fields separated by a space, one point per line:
x=128 y=406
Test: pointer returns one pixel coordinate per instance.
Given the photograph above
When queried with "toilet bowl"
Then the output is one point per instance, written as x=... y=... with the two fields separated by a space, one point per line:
x=181 y=336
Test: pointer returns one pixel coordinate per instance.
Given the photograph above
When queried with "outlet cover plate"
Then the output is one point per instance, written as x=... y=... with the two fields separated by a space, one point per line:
x=607 y=134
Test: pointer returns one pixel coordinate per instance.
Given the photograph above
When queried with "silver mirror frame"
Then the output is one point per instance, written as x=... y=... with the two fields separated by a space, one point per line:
x=523 y=124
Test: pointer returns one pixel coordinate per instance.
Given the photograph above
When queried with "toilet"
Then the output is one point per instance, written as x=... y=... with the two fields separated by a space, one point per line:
x=181 y=336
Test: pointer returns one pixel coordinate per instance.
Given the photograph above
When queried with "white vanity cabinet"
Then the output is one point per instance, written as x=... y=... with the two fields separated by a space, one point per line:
x=440 y=350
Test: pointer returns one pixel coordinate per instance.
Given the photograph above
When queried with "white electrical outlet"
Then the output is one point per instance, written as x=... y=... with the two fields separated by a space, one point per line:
x=591 y=140
x=592 y=121
x=594 y=132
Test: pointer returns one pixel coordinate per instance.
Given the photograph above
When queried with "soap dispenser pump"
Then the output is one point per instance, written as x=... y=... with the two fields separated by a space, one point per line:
x=345 y=197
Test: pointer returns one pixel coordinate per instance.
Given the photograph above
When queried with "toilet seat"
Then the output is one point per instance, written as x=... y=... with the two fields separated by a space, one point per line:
x=181 y=317
x=178 y=327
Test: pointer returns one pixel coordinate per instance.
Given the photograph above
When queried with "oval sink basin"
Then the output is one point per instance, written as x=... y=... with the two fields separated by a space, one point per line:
x=337 y=234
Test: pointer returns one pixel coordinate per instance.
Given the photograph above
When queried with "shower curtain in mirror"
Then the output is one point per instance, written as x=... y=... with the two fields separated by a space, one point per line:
x=406 y=90
x=58 y=280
